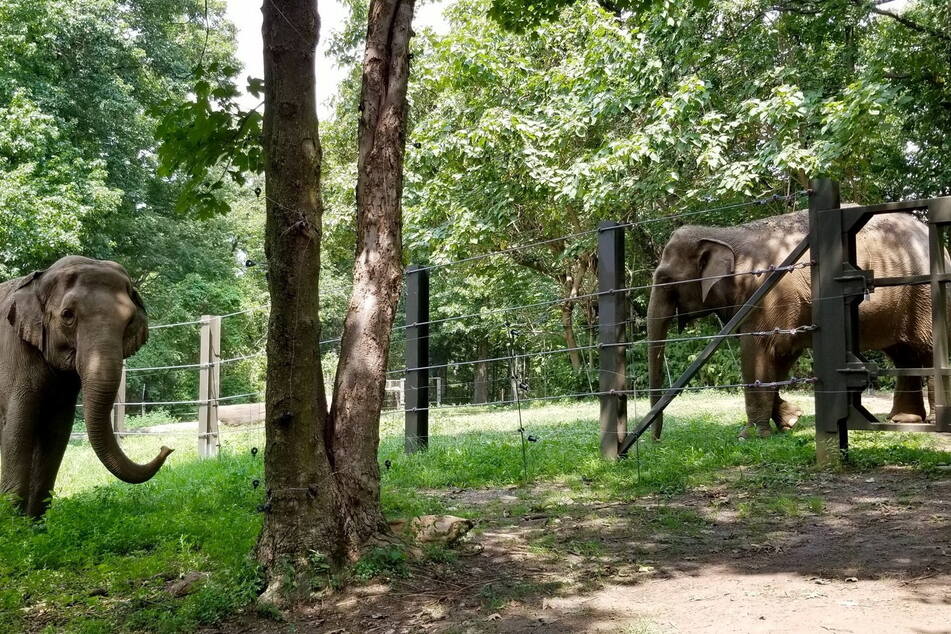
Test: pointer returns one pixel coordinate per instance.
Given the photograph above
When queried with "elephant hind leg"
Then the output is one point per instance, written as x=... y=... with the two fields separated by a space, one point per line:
x=785 y=414
x=908 y=404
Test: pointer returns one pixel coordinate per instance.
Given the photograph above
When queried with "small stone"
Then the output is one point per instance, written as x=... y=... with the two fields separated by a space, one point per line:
x=494 y=617
x=186 y=585
x=440 y=529
x=851 y=580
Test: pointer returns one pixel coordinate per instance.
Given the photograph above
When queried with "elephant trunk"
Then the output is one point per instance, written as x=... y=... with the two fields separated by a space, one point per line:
x=100 y=370
x=660 y=312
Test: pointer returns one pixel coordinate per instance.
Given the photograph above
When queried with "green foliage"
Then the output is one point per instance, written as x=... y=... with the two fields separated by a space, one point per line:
x=205 y=132
x=386 y=562
x=521 y=15
x=81 y=88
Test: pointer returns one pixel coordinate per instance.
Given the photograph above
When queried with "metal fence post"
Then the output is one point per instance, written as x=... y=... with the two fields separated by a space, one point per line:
x=939 y=220
x=830 y=341
x=417 y=359
x=612 y=322
x=118 y=409
x=208 y=383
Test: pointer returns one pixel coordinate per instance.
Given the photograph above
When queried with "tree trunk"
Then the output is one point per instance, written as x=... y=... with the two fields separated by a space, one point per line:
x=302 y=505
x=481 y=382
x=567 y=319
x=377 y=273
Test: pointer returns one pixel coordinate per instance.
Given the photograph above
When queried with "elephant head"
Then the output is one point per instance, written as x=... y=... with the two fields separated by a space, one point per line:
x=84 y=317
x=692 y=280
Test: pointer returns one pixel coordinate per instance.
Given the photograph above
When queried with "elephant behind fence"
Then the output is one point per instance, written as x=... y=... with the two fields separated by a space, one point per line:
x=701 y=273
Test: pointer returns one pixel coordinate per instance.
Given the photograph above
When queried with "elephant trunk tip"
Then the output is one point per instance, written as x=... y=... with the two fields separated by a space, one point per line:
x=164 y=452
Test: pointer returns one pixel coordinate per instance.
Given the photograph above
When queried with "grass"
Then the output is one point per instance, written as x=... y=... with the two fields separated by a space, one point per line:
x=102 y=559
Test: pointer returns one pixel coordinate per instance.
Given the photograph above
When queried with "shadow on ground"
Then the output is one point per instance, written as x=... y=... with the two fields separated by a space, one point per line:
x=861 y=552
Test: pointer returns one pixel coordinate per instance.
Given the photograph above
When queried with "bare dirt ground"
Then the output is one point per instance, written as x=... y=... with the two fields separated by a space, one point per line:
x=866 y=552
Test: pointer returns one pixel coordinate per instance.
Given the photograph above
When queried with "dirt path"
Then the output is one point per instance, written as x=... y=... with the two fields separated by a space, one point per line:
x=863 y=553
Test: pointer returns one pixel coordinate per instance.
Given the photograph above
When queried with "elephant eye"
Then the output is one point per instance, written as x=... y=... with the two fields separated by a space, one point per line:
x=68 y=314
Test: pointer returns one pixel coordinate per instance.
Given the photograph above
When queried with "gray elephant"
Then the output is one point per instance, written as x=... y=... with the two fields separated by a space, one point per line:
x=895 y=320
x=64 y=329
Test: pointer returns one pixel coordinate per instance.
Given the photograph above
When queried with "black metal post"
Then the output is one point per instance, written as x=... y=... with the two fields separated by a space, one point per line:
x=939 y=220
x=829 y=249
x=416 y=387
x=612 y=321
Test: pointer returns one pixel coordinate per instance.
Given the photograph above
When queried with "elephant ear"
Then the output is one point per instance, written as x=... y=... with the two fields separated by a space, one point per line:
x=715 y=260
x=26 y=311
x=137 y=332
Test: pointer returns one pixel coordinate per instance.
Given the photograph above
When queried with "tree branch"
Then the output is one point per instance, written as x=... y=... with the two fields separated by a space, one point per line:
x=911 y=24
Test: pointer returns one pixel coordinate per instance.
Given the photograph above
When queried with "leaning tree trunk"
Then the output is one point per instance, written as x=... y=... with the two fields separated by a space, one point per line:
x=302 y=505
x=377 y=273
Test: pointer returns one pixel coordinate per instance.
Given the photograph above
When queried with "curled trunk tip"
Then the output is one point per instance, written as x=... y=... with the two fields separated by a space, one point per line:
x=98 y=398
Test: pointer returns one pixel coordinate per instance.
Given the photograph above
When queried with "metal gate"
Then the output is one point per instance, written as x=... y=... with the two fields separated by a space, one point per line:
x=838 y=287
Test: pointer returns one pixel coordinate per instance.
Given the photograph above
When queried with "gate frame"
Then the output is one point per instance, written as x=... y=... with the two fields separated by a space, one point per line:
x=838 y=287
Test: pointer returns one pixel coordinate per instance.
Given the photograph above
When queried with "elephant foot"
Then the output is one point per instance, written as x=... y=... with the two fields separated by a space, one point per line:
x=905 y=418
x=786 y=416
x=762 y=430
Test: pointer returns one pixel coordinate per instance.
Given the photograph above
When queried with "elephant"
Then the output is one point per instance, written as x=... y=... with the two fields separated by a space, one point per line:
x=895 y=320
x=65 y=329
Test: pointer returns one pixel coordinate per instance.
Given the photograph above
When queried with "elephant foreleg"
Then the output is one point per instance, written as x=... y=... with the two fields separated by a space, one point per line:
x=48 y=449
x=16 y=455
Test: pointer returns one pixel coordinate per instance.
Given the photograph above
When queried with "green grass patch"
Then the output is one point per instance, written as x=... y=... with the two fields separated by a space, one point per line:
x=780 y=505
x=103 y=557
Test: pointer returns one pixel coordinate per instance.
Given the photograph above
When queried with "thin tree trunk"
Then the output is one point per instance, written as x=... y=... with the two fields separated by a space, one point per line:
x=301 y=506
x=377 y=273
x=481 y=382
x=567 y=323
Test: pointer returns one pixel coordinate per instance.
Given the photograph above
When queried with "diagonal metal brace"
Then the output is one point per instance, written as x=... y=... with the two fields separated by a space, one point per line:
x=735 y=322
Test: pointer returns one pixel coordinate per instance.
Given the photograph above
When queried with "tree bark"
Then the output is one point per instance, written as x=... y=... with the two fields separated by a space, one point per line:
x=571 y=342
x=301 y=505
x=377 y=273
x=481 y=383
x=323 y=481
